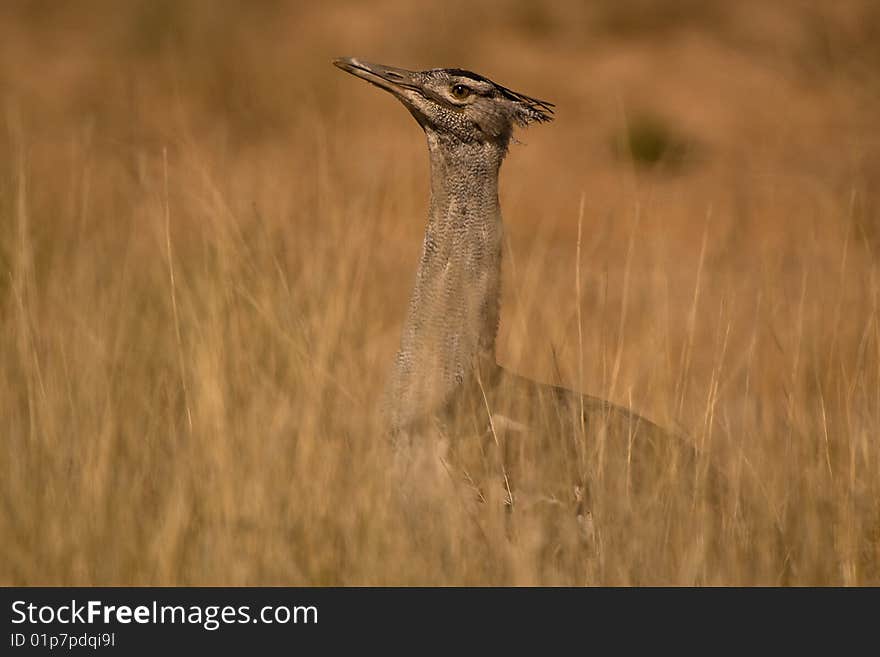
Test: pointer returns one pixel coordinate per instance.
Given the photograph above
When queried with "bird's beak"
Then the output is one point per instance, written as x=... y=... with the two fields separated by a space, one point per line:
x=389 y=78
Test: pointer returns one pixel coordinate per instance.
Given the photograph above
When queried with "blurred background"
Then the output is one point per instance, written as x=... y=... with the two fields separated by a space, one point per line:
x=208 y=234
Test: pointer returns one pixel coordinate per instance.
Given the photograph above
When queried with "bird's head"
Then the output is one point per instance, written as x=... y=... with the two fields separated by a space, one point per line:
x=453 y=103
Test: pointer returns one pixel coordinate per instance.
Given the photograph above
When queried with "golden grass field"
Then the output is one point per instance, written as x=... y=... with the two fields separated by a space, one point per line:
x=208 y=235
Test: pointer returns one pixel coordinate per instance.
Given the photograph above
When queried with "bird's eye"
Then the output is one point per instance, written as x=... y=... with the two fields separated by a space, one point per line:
x=460 y=92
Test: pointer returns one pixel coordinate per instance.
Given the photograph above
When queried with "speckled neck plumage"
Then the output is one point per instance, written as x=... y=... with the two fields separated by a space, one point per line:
x=452 y=319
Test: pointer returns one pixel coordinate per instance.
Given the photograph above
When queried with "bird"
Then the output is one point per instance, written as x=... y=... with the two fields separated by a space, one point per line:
x=446 y=373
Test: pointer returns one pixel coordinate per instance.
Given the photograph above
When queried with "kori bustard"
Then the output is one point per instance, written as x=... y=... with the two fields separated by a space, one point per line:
x=446 y=372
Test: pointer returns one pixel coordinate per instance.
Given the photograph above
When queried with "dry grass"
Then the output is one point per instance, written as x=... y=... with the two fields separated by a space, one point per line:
x=207 y=236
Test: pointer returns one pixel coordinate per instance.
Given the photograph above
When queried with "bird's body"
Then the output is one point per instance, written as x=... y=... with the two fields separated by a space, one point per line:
x=446 y=371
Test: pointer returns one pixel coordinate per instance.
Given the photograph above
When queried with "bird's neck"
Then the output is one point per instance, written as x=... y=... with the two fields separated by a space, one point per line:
x=452 y=319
